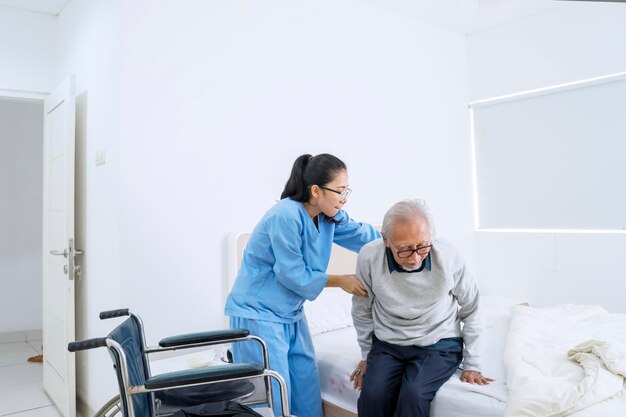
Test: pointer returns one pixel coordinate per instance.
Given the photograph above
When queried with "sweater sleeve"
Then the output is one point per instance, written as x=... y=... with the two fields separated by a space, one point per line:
x=467 y=296
x=362 y=306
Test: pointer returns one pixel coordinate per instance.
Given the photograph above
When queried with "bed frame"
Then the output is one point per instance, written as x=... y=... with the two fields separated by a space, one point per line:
x=331 y=410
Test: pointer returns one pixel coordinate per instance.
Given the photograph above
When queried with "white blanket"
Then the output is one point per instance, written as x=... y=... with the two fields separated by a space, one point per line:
x=564 y=359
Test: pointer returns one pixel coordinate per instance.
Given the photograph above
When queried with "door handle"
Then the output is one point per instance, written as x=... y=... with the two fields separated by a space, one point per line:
x=63 y=252
x=70 y=269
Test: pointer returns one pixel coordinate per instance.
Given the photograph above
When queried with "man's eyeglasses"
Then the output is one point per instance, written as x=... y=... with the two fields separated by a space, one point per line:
x=344 y=194
x=407 y=253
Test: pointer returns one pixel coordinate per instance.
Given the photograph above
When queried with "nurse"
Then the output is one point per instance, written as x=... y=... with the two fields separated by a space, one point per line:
x=284 y=264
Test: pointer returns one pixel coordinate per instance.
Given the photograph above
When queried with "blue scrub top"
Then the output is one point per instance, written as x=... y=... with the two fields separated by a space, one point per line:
x=285 y=261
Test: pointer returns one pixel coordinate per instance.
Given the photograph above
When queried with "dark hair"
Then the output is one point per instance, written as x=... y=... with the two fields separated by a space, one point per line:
x=309 y=170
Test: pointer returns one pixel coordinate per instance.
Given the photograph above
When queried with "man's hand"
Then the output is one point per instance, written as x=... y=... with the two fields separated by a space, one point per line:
x=357 y=375
x=475 y=377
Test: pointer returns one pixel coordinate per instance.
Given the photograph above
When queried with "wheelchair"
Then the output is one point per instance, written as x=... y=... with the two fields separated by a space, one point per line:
x=145 y=395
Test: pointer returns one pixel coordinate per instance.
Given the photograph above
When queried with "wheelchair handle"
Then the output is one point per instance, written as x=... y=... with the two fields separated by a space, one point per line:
x=114 y=313
x=87 y=344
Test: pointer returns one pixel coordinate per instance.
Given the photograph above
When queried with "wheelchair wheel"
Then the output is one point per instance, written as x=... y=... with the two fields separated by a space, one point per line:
x=111 y=408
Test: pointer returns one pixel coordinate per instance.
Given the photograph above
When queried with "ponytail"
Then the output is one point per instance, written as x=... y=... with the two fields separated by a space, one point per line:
x=295 y=188
x=309 y=170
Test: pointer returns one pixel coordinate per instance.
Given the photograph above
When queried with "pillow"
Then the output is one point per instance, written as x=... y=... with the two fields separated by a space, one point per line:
x=331 y=310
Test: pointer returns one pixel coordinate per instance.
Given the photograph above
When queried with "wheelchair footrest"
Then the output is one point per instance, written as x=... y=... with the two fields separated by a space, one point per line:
x=199 y=375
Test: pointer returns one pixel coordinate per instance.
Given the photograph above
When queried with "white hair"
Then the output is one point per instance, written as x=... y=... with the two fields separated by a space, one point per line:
x=404 y=212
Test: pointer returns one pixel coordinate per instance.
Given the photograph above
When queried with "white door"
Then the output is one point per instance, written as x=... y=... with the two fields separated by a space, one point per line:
x=59 y=269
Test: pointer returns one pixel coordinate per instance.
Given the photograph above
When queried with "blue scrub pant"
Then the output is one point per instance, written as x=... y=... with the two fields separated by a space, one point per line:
x=291 y=354
x=404 y=379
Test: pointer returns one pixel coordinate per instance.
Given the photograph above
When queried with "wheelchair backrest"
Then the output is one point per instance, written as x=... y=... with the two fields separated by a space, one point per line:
x=129 y=336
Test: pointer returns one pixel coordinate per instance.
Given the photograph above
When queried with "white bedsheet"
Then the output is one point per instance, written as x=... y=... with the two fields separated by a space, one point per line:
x=566 y=360
x=338 y=353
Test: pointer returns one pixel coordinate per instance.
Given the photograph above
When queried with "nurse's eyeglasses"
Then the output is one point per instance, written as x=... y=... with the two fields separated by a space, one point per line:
x=343 y=194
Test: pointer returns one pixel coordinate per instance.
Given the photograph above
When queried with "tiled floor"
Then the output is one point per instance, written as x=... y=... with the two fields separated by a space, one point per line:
x=21 y=391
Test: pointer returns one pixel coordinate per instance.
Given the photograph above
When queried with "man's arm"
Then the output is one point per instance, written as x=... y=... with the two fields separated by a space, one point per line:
x=362 y=306
x=362 y=317
x=468 y=298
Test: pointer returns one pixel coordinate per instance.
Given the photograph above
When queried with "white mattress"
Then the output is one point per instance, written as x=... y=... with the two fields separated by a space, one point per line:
x=338 y=353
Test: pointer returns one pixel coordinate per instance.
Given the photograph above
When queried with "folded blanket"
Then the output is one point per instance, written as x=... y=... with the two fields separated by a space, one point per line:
x=546 y=377
x=604 y=364
x=611 y=354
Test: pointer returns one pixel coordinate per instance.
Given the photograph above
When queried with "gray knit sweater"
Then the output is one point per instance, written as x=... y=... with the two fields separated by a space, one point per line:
x=417 y=308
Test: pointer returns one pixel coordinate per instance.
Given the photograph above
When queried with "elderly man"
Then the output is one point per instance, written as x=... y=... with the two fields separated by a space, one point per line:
x=409 y=325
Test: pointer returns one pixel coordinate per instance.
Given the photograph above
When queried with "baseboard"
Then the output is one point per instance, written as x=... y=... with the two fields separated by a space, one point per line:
x=21 y=336
x=82 y=408
x=34 y=335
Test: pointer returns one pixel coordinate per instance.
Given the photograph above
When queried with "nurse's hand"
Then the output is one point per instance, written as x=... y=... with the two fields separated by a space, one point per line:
x=352 y=285
x=348 y=283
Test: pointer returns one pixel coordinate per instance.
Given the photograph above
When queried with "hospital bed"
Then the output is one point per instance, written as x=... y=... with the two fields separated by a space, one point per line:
x=563 y=360
x=569 y=359
x=338 y=353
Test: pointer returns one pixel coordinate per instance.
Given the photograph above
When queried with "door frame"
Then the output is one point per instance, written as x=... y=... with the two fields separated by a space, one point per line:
x=36 y=96
x=32 y=96
x=23 y=94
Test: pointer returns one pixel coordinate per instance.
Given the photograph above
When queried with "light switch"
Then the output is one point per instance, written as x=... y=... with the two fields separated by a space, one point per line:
x=100 y=157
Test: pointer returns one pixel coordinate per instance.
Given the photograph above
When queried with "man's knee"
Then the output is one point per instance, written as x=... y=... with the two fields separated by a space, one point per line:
x=417 y=394
x=377 y=394
x=414 y=402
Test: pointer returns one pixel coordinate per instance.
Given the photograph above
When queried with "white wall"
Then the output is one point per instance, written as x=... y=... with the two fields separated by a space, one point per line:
x=580 y=41
x=218 y=98
x=215 y=101
x=27 y=50
x=89 y=48
x=21 y=178
x=203 y=107
x=567 y=44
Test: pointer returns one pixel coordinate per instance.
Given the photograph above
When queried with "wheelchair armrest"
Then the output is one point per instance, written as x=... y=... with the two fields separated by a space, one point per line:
x=203 y=337
x=200 y=375
x=104 y=315
x=87 y=344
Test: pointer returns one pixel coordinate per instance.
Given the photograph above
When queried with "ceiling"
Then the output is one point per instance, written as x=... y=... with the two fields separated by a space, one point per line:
x=52 y=7
x=462 y=16
x=466 y=16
